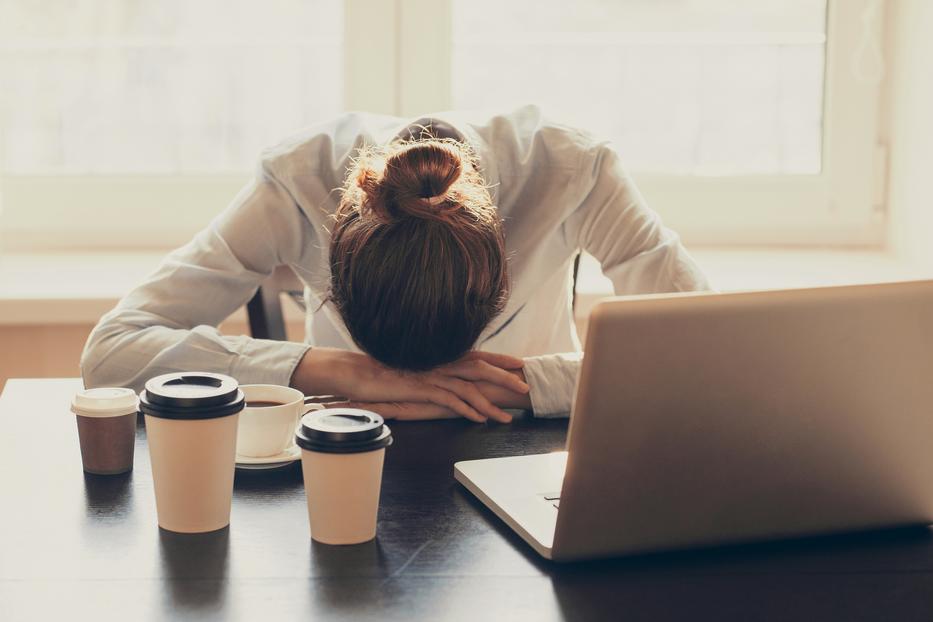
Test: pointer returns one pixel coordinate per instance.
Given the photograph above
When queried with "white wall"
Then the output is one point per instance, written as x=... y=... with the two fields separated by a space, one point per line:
x=910 y=129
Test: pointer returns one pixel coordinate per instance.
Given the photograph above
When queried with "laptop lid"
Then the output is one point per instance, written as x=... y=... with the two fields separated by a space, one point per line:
x=710 y=419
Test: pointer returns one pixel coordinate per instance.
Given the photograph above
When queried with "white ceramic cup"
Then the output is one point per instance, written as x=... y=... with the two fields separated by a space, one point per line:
x=267 y=431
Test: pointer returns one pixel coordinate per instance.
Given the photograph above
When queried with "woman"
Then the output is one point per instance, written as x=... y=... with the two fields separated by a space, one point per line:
x=424 y=249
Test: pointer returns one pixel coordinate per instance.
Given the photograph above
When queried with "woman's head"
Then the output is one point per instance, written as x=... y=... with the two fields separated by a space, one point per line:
x=417 y=255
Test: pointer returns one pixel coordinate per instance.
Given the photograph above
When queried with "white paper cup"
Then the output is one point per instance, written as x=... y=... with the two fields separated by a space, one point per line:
x=191 y=426
x=342 y=492
x=268 y=430
x=192 y=471
x=342 y=453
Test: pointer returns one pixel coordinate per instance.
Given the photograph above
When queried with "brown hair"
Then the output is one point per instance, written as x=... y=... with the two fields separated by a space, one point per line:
x=417 y=254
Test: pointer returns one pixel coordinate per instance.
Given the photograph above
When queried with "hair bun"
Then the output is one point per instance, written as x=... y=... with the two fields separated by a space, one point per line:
x=412 y=176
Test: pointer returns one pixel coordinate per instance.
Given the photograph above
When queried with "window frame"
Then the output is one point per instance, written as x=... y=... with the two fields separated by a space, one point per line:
x=841 y=206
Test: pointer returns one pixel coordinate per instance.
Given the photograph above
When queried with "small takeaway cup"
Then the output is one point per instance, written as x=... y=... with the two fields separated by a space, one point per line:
x=342 y=451
x=106 y=429
x=191 y=424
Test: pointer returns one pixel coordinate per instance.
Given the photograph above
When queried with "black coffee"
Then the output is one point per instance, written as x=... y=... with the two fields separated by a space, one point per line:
x=261 y=404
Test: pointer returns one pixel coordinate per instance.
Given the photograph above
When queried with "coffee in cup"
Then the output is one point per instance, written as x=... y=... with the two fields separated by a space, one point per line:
x=191 y=424
x=342 y=453
x=267 y=424
x=106 y=420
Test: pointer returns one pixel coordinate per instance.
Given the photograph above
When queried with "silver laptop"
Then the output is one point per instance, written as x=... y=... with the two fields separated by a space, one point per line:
x=702 y=420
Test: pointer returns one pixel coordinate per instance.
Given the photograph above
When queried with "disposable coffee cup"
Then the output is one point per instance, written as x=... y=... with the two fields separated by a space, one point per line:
x=191 y=424
x=342 y=452
x=267 y=423
x=106 y=419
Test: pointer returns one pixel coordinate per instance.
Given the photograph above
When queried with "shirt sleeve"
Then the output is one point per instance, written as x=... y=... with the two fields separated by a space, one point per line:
x=635 y=250
x=552 y=379
x=614 y=224
x=169 y=322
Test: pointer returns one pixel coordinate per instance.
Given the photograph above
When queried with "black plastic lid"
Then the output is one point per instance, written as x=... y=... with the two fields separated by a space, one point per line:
x=342 y=431
x=191 y=395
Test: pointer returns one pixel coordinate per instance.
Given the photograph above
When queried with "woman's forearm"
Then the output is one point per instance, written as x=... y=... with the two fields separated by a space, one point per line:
x=320 y=372
x=504 y=398
x=360 y=379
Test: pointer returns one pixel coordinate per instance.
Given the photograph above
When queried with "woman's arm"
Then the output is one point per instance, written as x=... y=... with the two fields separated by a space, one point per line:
x=635 y=250
x=503 y=385
x=614 y=224
x=168 y=323
x=465 y=388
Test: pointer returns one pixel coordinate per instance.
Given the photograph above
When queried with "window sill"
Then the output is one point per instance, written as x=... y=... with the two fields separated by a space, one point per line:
x=77 y=288
x=738 y=269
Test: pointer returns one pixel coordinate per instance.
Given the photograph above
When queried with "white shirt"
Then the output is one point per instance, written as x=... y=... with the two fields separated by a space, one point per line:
x=558 y=190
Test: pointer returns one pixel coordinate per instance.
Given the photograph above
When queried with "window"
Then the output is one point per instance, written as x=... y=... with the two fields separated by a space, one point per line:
x=684 y=88
x=176 y=87
x=132 y=123
x=743 y=122
x=126 y=123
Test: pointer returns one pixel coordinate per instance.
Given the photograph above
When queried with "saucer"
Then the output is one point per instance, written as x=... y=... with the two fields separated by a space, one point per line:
x=291 y=454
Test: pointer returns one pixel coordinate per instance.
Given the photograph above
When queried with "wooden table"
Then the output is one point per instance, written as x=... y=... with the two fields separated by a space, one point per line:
x=73 y=546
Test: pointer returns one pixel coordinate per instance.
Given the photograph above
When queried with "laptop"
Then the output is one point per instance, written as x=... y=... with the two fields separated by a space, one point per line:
x=709 y=419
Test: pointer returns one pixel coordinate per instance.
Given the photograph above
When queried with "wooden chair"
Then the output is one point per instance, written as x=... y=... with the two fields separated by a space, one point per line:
x=264 y=310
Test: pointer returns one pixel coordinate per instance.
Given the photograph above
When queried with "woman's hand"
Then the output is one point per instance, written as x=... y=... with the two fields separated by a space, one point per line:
x=412 y=411
x=453 y=387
